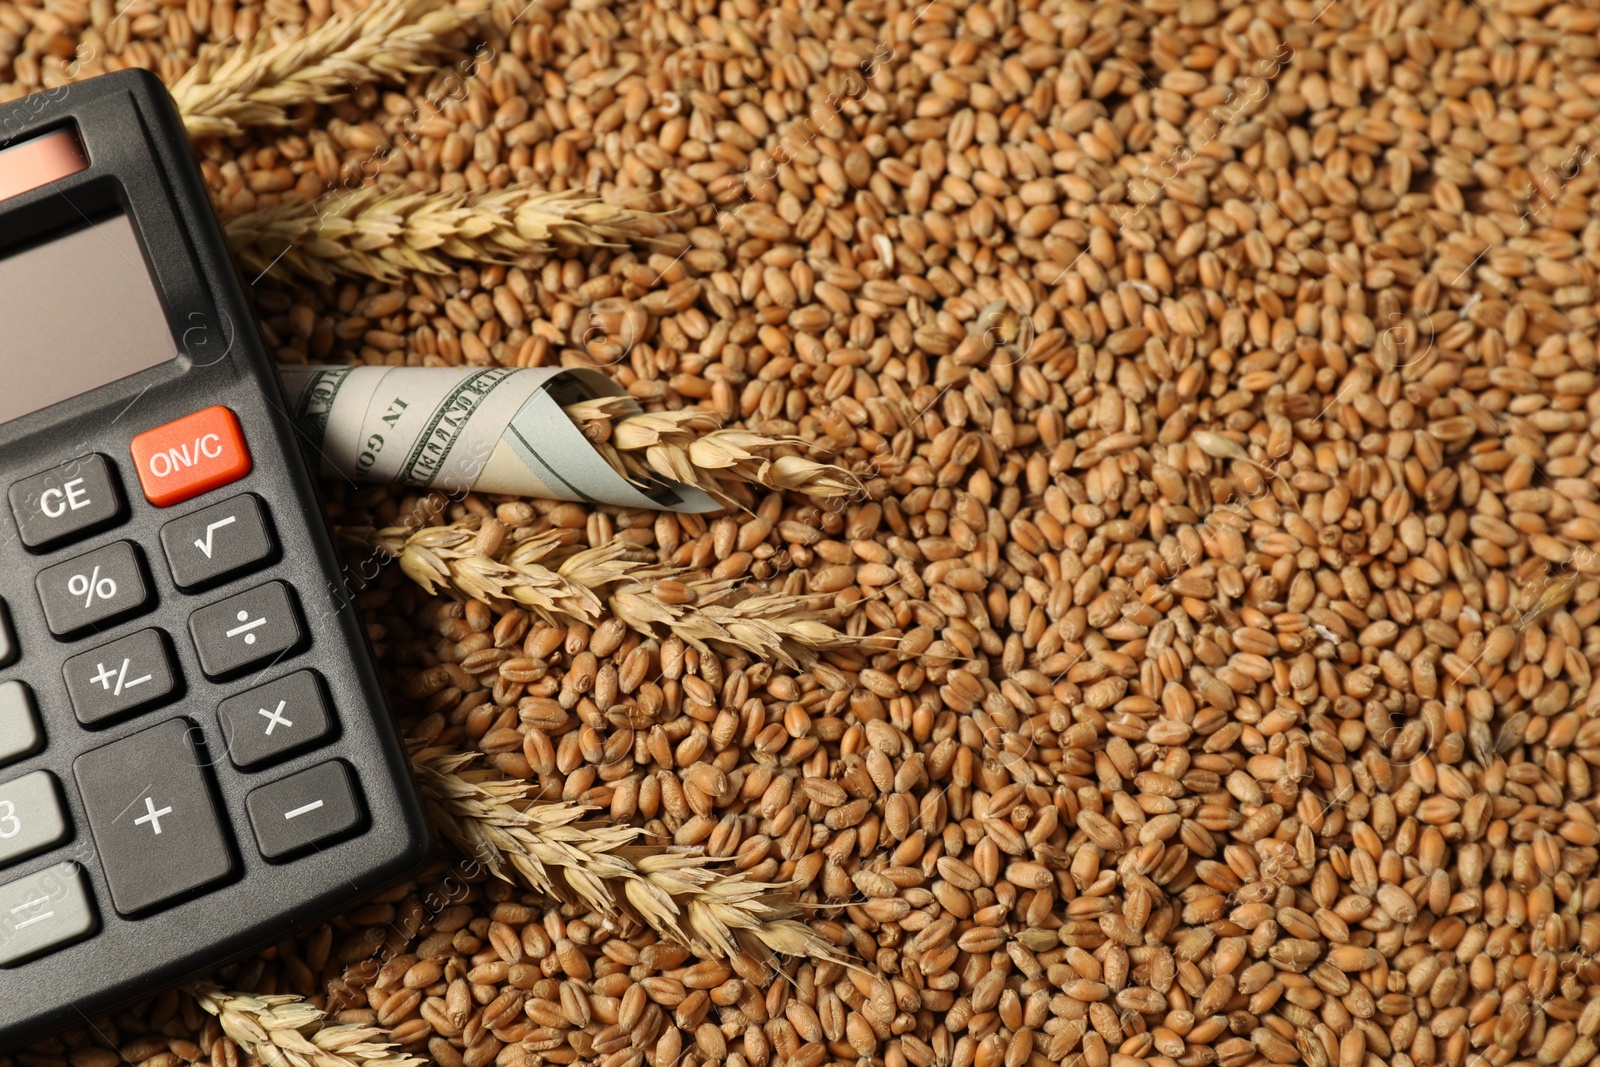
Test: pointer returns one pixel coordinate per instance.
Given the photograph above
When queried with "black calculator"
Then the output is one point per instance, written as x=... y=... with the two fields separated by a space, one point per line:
x=195 y=754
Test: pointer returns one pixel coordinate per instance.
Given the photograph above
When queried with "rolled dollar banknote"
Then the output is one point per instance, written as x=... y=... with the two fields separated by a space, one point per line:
x=460 y=429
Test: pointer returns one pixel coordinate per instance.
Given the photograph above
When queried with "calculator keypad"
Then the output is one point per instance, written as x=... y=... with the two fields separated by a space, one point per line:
x=20 y=734
x=304 y=809
x=43 y=911
x=270 y=721
x=148 y=798
x=128 y=674
x=31 y=816
x=154 y=822
x=223 y=540
x=67 y=501
x=92 y=588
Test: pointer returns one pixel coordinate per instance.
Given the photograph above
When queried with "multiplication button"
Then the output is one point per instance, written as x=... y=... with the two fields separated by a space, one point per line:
x=92 y=588
x=128 y=674
x=270 y=721
x=65 y=501
x=242 y=631
x=304 y=809
x=156 y=827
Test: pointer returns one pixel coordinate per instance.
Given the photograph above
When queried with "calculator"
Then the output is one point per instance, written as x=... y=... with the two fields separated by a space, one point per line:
x=195 y=754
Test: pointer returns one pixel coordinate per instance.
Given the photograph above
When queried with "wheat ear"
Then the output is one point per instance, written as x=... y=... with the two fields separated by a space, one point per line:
x=563 y=584
x=285 y=1031
x=230 y=90
x=383 y=234
x=690 y=446
x=685 y=897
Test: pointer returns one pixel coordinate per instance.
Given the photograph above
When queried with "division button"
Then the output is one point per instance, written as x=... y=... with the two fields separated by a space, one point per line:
x=42 y=912
x=270 y=721
x=157 y=829
x=65 y=501
x=304 y=809
x=253 y=627
x=31 y=816
x=217 y=542
x=128 y=674
x=92 y=588
x=19 y=723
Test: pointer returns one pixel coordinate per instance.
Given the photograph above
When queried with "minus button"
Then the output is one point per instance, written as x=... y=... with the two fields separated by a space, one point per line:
x=305 y=811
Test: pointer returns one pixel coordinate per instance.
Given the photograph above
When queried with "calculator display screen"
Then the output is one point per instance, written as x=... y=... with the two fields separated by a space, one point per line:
x=77 y=312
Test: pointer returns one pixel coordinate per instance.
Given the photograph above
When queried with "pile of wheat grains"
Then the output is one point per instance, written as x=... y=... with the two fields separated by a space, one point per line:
x=1229 y=597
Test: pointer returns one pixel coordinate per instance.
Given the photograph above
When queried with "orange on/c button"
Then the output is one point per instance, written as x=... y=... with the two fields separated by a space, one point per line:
x=190 y=456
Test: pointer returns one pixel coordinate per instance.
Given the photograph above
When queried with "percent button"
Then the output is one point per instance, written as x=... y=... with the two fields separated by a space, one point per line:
x=253 y=627
x=93 y=588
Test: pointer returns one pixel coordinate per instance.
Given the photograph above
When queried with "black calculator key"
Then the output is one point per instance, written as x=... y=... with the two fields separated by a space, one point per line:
x=304 y=809
x=31 y=816
x=272 y=720
x=19 y=723
x=217 y=542
x=44 y=911
x=244 y=630
x=73 y=498
x=8 y=638
x=92 y=588
x=128 y=674
x=156 y=827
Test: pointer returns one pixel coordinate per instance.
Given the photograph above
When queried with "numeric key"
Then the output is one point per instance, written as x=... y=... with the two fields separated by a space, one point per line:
x=31 y=816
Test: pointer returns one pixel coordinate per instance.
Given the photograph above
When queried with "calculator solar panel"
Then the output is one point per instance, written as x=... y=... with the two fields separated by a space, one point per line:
x=195 y=755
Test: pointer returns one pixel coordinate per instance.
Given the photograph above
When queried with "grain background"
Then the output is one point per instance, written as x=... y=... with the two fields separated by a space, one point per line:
x=1228 y=596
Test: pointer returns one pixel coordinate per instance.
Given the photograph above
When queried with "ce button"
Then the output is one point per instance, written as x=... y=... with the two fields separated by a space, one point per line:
x=65 y=501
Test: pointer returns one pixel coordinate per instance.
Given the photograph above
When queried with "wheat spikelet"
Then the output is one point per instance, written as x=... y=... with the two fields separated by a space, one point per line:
x=285 y=1031
x=230 y=90
x=381 y=233
x=690 y=446
x=561 y=584
x=684 y=897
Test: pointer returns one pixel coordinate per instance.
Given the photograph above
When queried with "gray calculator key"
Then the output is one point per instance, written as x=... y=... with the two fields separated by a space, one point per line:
x=304 y=809
x=253 y=627
x=43 y=911
x=8 y=637
x=126 y=675
x=92 y=588
x=272 y=720
x=66 y=500
x=31 y=816
x=19 y=723
x=215 y=542
x=154 y=822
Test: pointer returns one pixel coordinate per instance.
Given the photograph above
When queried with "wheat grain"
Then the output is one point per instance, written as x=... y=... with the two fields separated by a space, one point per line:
x=229 y=90
x=284 y=1031
x=386 y=234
